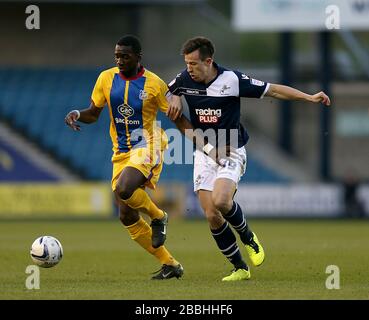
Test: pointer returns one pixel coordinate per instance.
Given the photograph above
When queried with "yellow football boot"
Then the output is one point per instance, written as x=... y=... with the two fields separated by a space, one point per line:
x=238 y=275
x=255 y=251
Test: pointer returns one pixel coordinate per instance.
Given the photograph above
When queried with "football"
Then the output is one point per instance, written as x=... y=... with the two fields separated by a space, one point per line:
x=46 y=251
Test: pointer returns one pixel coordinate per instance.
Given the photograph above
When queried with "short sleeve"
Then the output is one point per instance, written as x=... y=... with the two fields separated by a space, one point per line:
x=161 y=97
x=251 y=88
x=175 y=86
x=98 y=96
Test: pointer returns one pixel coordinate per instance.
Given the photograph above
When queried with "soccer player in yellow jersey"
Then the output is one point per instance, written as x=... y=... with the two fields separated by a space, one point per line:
x=134 y=95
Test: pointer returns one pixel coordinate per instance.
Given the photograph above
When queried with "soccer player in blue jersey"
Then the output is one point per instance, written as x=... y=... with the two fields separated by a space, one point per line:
x=134 y=95
x=213 y=94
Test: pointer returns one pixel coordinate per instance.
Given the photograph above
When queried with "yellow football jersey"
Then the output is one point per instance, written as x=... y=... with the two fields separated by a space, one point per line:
x=133 y=105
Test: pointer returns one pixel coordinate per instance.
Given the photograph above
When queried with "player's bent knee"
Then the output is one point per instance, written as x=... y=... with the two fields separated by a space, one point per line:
x=128 y=216
x=124 y=192
x=222 y=204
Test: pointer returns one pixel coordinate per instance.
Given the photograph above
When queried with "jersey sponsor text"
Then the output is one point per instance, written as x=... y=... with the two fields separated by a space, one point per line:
x=209 y=115
x=127 y=121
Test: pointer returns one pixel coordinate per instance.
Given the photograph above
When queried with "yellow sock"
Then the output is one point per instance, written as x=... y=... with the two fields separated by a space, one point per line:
x=141 y=233
x=140 y=200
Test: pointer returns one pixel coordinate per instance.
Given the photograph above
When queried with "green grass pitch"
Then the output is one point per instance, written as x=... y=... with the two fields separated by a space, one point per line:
x=101 y=262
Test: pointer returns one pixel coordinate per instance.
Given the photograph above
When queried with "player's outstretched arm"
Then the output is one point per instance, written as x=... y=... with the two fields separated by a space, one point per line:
x=89 y=115
x=288 y=93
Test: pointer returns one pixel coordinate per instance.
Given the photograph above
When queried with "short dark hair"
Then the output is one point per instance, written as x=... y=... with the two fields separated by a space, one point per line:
x=204 y=45
x=130 y=41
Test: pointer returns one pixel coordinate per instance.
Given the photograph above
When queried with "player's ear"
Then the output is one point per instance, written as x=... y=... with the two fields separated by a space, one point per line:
x=208 y=61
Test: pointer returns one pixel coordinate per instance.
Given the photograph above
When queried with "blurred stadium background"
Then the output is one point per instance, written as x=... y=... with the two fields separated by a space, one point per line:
x=304 y=161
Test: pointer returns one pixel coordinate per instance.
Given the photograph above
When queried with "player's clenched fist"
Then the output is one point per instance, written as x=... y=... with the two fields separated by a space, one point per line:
x=321 y=97
x=71 y=119
x=175 y=107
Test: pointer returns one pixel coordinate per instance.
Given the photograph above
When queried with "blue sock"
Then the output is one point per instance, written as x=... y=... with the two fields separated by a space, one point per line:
x=237 y=220
x=227 y=244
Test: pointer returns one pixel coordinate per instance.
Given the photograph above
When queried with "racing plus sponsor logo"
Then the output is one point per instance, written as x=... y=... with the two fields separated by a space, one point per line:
x=126 y=111
x=209 y=115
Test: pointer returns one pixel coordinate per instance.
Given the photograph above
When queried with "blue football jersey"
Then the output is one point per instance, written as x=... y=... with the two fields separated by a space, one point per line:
x=216 y=105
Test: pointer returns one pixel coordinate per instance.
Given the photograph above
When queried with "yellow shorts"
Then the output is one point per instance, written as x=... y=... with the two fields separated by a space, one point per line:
x=149 y=163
